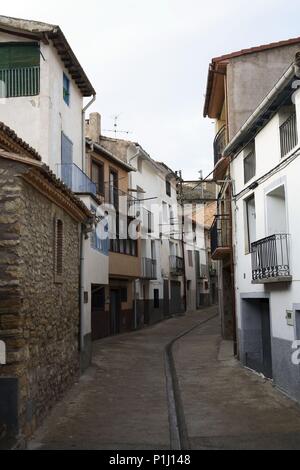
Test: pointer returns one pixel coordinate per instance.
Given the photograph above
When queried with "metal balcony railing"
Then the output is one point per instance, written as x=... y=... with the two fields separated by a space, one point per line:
x=219 y=144
x=149 y=268
x=220 y=233
x=23 y=81
x=288 y=135
x=271 y=259
x=176 y=265
x=120 y=200
x=75 y=179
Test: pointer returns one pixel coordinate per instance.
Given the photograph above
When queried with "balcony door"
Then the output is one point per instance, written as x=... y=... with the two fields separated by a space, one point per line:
x=276 y=212
x=67 y=161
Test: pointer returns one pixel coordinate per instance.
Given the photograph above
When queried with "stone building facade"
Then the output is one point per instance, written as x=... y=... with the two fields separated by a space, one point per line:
x=39 y=288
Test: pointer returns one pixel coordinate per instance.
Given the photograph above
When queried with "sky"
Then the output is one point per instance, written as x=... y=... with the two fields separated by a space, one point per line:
x=148 y=61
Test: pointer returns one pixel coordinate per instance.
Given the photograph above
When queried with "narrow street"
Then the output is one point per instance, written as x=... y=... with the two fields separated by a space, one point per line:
x=121 y=402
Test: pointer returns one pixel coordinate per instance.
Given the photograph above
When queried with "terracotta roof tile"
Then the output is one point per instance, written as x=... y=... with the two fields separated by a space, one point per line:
x=20 y=142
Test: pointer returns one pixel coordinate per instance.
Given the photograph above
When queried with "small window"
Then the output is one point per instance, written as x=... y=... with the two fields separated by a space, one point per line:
x=288 y=130
x=58 y=262
x=168 y=188
x=98 y=176
x=156 y=298
x=190 y=255
x=66 y=89
x=249 y=164
x=19 y=69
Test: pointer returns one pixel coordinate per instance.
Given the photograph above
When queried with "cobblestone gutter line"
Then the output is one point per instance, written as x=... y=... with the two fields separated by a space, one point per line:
x=179 y=438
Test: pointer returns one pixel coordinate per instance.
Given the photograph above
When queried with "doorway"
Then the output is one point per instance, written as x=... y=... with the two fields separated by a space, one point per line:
x=256 y=336
x=100 y=318
x=166 y=299
x=115 y=311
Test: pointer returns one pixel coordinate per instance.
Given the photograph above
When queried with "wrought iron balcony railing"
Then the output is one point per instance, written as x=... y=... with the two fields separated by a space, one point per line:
x=220 y=235
x=17 y=82
x=75 y=179
x=149 y=268
x=271 y=259
x=121 y=200
x=288 y=135
x=176 y=265
x=220 y=144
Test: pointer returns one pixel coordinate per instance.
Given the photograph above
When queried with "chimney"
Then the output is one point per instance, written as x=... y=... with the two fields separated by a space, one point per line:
x=93 y=127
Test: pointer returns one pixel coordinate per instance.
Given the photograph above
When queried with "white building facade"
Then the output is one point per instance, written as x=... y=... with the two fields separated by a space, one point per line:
x=42 y=91
x=265 y=165
x=160 y=292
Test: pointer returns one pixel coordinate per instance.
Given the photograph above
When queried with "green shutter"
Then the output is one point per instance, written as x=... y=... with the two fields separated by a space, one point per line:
x=19 y=55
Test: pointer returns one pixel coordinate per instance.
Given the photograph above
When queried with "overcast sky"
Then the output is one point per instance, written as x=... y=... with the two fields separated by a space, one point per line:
x=148 y=61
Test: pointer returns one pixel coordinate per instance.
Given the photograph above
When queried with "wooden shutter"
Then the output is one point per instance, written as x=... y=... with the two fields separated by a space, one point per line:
x=14 y=55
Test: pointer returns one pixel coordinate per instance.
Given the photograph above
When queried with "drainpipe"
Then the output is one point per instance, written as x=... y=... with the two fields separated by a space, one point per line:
x=86 y=228
x=81 y=288
x=83 y=130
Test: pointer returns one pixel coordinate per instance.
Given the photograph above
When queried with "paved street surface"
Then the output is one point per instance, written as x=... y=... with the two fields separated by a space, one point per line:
x=121 y=402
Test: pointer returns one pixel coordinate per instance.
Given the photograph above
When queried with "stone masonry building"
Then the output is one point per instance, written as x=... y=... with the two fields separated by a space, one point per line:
x=41 y=226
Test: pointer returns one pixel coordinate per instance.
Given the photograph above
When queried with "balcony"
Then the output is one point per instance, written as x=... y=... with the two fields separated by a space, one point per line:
x=221 y=237
x=76 y=179
x=121 y=200
x=271 y=260
x=176 y=265
x=219 y=144
x=221 y=163
x=149 y=268
x=288 y=135
x=17 y=82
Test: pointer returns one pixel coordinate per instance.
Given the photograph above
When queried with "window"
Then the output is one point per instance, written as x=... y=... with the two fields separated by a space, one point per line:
x=250 y=222
x=99 y=243
x=156 y=298
x=249 y=163
x=168 y=188
x=58 y=249
x=150 y=223
x=19 y=69
x=66 y=89
x=190 y=255
x=140 y=165
x=113 y=189
x=98 y=176
x=288 y=130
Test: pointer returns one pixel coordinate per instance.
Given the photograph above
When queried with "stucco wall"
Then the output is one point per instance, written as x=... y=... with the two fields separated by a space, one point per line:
x=282 y=296
x=39 y=120
x=249 y=80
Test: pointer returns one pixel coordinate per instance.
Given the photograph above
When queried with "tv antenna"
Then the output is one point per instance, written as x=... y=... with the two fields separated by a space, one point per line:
x=115 y=130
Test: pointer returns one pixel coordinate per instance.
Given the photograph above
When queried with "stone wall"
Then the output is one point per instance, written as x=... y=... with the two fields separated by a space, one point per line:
x=39 y=319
